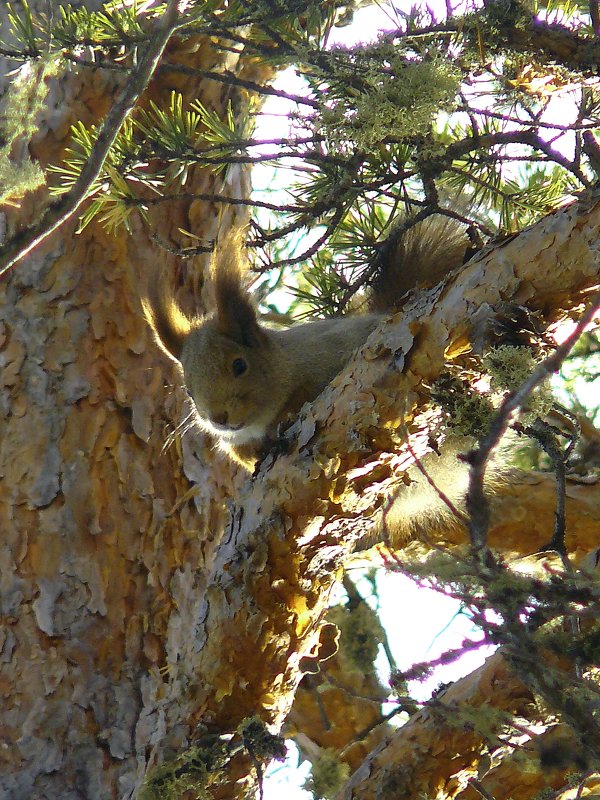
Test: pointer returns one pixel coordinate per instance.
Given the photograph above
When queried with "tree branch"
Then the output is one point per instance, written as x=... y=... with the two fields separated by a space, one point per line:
x=411 y=762
x=297 y=519
x=233 y=80
x=477 y=501
x=56 y=214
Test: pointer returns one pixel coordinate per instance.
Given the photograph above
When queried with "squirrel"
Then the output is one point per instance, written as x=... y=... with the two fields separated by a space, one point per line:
x=245 y=378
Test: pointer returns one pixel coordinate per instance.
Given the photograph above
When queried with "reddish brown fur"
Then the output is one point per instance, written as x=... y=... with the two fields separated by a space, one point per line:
x=236 y=314
x=246 y=378
x=169 y=324
x=425 y=254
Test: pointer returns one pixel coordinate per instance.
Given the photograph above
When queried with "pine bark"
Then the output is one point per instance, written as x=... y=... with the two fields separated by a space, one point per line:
x=441 y=749
x=106 y=537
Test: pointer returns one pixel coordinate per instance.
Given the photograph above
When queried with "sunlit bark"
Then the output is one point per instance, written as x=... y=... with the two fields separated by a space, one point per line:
x=106 y=537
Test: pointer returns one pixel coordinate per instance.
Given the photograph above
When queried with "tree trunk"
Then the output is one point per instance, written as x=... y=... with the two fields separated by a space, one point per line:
x=106 y=538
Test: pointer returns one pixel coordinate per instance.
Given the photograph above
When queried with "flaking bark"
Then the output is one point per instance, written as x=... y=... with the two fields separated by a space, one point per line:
x=105 y=536
x=431 y=755
x=294 y=524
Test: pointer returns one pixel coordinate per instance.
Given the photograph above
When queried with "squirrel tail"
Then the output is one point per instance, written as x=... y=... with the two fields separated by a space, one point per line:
x=425 y=254
x=168 y=323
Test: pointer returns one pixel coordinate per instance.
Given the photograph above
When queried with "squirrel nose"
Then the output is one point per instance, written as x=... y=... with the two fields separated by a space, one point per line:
x=220 y=419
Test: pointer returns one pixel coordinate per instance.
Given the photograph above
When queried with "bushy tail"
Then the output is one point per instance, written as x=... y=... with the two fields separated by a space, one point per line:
x=169 y=324
x=425 y=254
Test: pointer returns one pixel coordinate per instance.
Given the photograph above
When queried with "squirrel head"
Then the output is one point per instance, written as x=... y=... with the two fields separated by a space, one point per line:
x=232 y=366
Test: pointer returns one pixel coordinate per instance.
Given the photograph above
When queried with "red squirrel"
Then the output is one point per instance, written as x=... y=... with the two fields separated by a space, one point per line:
x=245 y=378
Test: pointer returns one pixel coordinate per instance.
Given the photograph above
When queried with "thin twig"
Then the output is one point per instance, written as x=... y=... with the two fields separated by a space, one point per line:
x=481 y=790
x=233 y=80
x=19 y=55
x=526 y=137
x=211 y=198
x=543 y=433
x=486 y=112
x=310 y=251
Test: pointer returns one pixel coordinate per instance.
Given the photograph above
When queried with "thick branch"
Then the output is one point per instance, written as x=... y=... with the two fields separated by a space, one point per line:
x=553 y=42
x=429 y=753
x=523 y=775
x=438 y=750
x=295 y=522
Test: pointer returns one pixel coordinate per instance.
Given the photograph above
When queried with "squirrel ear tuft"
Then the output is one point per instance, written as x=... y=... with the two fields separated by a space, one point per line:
x=169 y=324
x=235 y=311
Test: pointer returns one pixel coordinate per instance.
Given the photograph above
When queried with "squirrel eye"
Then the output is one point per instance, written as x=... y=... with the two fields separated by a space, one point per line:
x=238 y=366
